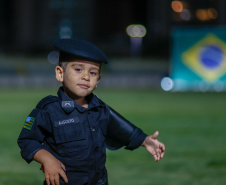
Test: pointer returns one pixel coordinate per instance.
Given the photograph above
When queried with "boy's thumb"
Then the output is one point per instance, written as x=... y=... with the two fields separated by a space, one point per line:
x=155 y=135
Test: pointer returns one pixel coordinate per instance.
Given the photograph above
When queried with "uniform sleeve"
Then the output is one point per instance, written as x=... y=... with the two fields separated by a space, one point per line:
x=121 y=132
x=32 y=135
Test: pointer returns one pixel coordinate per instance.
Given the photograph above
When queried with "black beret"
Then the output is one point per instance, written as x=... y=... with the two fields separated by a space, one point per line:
x=79 y=48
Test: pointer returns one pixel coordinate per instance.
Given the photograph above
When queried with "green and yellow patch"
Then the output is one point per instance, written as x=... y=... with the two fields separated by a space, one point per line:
x=29 y=122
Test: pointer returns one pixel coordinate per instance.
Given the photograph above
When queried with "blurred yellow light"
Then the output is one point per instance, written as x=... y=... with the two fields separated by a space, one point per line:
x=202 y=14
x=177 y=6
x=212 y=13
x=136 y=30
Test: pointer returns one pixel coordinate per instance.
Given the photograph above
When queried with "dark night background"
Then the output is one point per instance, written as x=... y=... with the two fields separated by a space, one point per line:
x=29 y=27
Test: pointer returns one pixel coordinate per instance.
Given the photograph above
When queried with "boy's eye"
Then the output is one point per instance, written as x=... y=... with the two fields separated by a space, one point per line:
x=93 y=73
x=78 y=69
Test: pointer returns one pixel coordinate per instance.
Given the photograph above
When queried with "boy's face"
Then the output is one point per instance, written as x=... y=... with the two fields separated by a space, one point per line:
x=79 y=78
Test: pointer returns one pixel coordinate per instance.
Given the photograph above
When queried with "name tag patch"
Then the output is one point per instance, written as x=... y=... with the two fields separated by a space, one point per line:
x=66 y=121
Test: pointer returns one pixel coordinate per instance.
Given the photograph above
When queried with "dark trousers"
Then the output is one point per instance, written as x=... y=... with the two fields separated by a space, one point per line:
x=103 y=181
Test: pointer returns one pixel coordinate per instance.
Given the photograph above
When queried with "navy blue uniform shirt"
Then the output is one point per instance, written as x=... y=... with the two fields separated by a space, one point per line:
x=77 y=136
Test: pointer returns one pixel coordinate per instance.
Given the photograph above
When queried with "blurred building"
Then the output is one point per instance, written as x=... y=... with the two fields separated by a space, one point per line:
x=30 y=26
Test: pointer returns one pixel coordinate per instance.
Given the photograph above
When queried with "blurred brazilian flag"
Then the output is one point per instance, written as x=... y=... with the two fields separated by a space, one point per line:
x=198 y=58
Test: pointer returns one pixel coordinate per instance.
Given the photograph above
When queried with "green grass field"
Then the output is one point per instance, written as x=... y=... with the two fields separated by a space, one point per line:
x=192 y=126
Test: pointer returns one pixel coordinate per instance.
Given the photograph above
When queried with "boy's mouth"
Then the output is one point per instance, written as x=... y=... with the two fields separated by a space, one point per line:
x=83 y=86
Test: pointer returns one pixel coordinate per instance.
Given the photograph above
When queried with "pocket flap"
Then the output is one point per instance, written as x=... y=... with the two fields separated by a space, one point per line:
x=68 y=130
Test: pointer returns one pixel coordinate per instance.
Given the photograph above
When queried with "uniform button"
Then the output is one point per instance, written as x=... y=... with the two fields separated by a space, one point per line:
x=97 y=148
x=98 y=170
x=93 y=129
x=88 y=112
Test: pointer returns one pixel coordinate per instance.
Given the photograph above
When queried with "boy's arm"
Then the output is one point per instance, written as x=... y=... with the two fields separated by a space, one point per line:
x=31 y=138
x=53 y=168
x=121 y=132
x=154 y=147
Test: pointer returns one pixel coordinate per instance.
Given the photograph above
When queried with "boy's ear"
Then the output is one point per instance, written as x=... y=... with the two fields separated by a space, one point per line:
x=98 y=79
x=59 y=73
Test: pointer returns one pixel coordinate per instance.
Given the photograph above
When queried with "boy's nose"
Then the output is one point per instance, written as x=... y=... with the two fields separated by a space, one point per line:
x=85 y=76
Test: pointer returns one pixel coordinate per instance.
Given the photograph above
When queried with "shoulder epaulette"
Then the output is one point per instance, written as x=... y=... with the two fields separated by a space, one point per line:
x=47 y=100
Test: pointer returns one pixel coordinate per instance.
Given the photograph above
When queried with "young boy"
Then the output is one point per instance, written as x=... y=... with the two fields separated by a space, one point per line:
x=69 y=133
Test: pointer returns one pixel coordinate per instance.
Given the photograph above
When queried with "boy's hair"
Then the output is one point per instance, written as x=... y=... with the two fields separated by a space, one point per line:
x=63 y=64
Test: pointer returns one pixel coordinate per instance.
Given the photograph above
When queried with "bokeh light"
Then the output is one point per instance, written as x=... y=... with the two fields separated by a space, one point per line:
x=206 y=14
x=202 y=14
x=167 y=84
x=203 y=86
x=65 y=28
x=185 y=15
x=177 y=6
x=212 y=13
x=219 y=86
x=53 y=57
x=136 y=30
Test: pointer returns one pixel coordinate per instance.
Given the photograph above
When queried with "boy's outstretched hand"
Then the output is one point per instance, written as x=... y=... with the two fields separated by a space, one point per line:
x=154 y=147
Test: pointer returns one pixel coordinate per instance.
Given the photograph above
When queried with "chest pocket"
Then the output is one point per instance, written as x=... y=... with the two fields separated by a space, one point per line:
x=70 y=135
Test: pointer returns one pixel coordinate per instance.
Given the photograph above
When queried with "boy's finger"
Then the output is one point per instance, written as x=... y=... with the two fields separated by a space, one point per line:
x=159 y=156
x=155 y=157
x=47 y=179
x=52 y=180
x=63 y=167
x=162 y=154
x=162 y=147
x=160 y=150
x=64 y=176
x=57 y=181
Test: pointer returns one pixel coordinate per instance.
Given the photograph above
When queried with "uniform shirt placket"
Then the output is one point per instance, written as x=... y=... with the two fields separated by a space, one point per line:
x=94 y=135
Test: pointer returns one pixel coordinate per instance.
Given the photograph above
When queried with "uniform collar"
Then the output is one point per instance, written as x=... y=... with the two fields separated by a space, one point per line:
x=68 y=104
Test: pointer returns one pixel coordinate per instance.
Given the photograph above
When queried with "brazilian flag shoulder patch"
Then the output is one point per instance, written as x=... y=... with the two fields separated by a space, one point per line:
x=29 y=122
